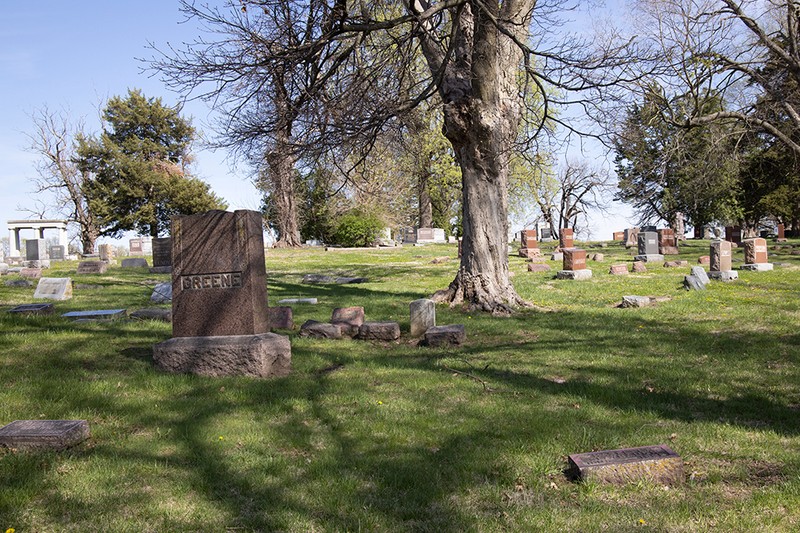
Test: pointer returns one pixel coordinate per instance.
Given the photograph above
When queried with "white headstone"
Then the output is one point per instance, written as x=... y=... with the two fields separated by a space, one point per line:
x=54 y=289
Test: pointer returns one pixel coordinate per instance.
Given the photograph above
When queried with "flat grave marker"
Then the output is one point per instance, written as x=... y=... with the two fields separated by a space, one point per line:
x=33 y=309
x=92 y=267
x=53 y=289
x=44 y=434
x=100 y=314
x=658 y=464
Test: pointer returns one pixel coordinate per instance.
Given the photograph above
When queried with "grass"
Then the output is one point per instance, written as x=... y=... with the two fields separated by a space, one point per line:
x=393 y=437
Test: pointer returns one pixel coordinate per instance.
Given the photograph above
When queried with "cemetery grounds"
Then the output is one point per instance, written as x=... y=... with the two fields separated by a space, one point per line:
x=371 y=436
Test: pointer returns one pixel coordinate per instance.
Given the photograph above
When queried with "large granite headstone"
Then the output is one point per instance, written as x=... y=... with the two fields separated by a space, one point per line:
x=648 y=247
x=162 y=252
x=58 y=252
x=565 y=238
x=733 y=234
x=667 y=242
x=574 y=265
x=35 y=249
x=220 y=322
x=755 y=255
x=53 y=289
x=658 y=464
x=720 y=267
x=43 y=434
x=530 y=245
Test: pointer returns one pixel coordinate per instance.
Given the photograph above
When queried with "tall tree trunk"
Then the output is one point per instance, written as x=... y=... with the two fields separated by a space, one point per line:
x=425 y=204
x=281 y=171
x=482 y=114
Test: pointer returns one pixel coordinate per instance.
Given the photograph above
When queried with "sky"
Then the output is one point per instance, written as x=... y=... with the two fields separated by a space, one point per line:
x=72 y=57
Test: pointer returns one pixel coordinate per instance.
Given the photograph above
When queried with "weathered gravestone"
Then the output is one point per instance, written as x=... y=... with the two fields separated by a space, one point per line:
x=53 y=289
x=135 y=247
x=648 y=247
x=720 y=265
x=320 y=330
x=704 y=260
x=565 y=238
x=697 y=280
x=92 y=267
x=423 y=316
x=618 y=236
x=631 y=237
x=220 y=323
x=619 y=269
x=162 y=255
x=162 y=293
x=755 y=255
x=538 y=267
x=280 y=317
x=33 y=273
x=35 y=249
x=33 y=309
x=450 y=335
x=667 y=242
x=781 y=233
x=657 y=464
x=106 y=252
x=58 y=252
x=134 y=262
x=530 y=246
x=43 y=434
x=349 y=319
x=381 y=331
x=574 y=265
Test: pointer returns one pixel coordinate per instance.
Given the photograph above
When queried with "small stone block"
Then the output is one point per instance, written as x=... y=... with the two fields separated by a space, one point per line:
x=700 y=273
x=135 y=262
x=635 y=301
x=33 y=309
x=287 y=301
x=320 y=330
x=43 y=434
x=349 y=318
x=450 y=335
x=163 y=315
x=639 y=267
x=103 y=314
x=619 y=269
x=18 y=283
x=724 y=275
x=669 y=250
x=577 y=275
x=598 y=257
x=704 y=260
x=262 y=356
x=693 y=283
x=33 y=273
x=381 y=331
x=280 y=317
x=674 y=264
x=538 y=267
x=92 y=267
x=53 y=289
x=657 y=464
x=650 y=258
x=758 y=267
x=557 y=256
x=422 y=315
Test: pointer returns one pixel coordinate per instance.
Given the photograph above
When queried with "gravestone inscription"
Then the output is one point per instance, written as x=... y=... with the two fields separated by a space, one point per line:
x=162 y=252
x=58 y=252
x=53 y=289
x=755 y=255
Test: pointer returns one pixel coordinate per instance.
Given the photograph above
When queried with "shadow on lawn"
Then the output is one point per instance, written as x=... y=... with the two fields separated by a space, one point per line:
x=383 y=485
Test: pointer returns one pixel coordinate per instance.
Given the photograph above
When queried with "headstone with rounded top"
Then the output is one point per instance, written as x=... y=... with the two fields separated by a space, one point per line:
x=720 y=266
x=422 y=316
x=755 y=255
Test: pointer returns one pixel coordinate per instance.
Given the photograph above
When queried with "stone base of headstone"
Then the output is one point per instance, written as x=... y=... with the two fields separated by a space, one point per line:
x=161 y=270
x=43 y=434
x=538 y=267
x=32 y=309
x=39 y=263
x=288 y=301
x=280 y=317
x=320 y=330
x=649 y=258
x=153 y=313
x=557 y=256
x=450 y=335
x=264 y=355
x=379 y=331
x=657 y=464
x=530 y=252
x=135 y=262
x=724 y=275
x=577 y=275
x=758 y=267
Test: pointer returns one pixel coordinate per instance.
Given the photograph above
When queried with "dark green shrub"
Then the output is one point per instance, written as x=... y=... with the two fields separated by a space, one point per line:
x=357 y=228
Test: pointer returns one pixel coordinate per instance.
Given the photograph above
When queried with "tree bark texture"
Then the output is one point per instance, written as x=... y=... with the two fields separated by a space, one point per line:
x=425 y=204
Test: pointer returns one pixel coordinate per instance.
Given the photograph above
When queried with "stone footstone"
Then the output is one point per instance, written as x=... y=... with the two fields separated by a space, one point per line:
x=674 y=264
x=92 y=267
x=758 y=267
x=43 y=434
x=450 y=335
x=135 y=262
x=669 y=250
x=700 y=273
x=280 y=317
x=320 y=330
x=422 y=315
x=287 y=301
x=704 y=260
x=657 y=464
x=261 y=356
x=33 y=309
x=102 y=314
x=619 y=269
x=693 y=283
x=538 y=267
x=33 y=273
x=636 y=301
x=53 y=289
x=598 y=257
x=639 y=267
x=18 y=283
x=163 y=315
x=380 y=331
x=557 y=256
x=577 y=275
x=724 y=275
x=650 y=258
x=162 y=293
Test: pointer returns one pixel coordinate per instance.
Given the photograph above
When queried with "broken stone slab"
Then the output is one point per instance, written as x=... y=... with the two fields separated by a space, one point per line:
x=674 y=264
x=700 y=273
x=449 y=335
x=656 y=464
x=380 y=331
x=263 y=355
x=636 y=301
x=280 y=317
x=33 y=309
x=422 y=315
x=101 y=314
x=320 y=330
x=577 y=275
x=724 y=275
x=639 y=267
x=163 y=315
x=349 y=319
x=288 y=301
x=135 y=262
x=693 y=283
x=538 y=267
x=43 y=434
x=53 y=289
x=162 y=293
x=18 y=283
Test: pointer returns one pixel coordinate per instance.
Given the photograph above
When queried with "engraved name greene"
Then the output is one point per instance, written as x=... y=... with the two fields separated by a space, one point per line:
x=223 y=280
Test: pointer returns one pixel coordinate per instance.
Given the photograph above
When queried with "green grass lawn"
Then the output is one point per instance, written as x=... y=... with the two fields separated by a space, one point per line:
x=368 y=436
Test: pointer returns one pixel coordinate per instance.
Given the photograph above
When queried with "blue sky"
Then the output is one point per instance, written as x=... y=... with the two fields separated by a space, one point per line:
x=73 y=56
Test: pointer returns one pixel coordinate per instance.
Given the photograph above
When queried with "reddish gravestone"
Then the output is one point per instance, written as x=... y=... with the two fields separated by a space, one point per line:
x=220 y=322
x=574 y=259
x=618 y=236
x=530 y=246
x=619 y=269
x=349 y=319
x=538 y=267
x=565 y=238
x=639 y=267
x=704 y=260
x=667 y=243
x=280 y=317
x=720 y=266
x=781 y=233
x=755 y=255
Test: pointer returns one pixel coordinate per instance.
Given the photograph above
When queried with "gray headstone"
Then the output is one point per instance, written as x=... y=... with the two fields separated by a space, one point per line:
x=35 y=249
x=43 y=434
x=636 y=301
x=693 y=283
x=162 y=252
x=700 y=273
x=18 y=283
x=53 y=289
x=33 y=309
x=648 y=243
x=162 y=293
x=423 y=316
x=58 y=252
x=134 y=262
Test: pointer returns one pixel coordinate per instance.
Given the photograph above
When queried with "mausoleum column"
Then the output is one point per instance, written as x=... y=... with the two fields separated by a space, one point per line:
x=13 y=242
x=62 y=236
